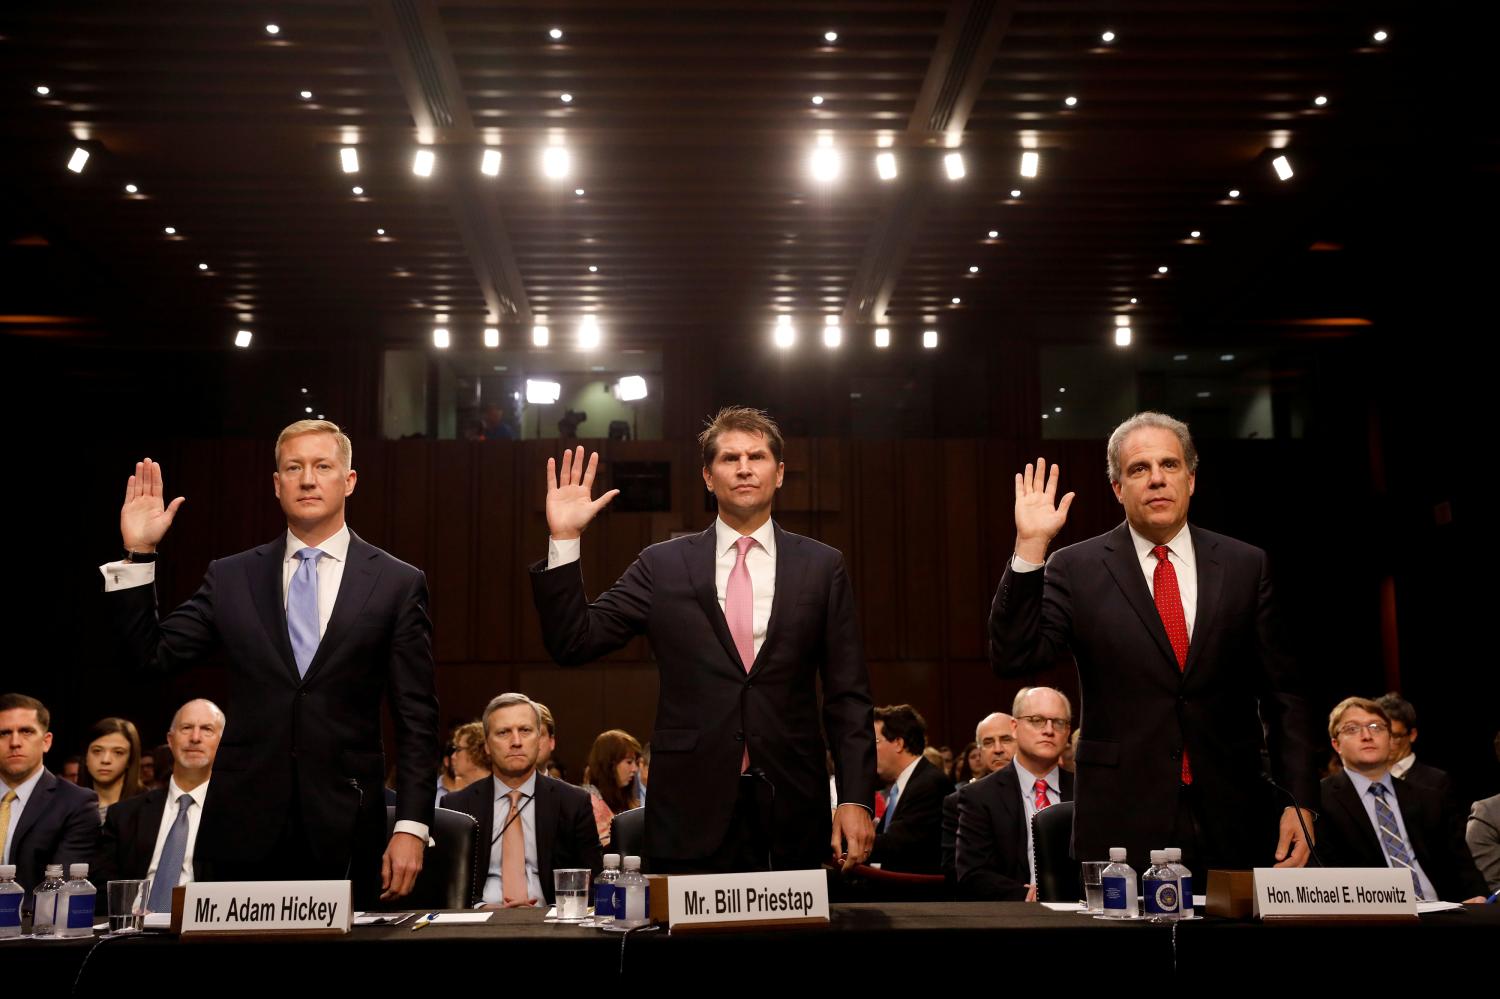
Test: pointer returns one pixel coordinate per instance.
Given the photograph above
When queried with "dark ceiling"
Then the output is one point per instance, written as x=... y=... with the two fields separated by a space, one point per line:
x=690 y=130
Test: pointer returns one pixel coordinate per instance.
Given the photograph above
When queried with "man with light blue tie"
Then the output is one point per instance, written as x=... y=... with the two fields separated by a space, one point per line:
x=316 y=629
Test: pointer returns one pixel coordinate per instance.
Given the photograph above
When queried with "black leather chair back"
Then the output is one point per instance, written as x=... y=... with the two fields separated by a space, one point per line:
x=451 y=870
x=1057 y=873
x=627 y=836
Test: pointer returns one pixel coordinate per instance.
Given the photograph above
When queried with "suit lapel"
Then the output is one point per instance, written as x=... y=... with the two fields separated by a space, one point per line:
x=486 y=818
x=39 y=802
x=1210 y=586
x=361 y=570
x=143 y=843
x=1123 y=565
x=699 y=555
x=791 y=566
x=1009 y=784
x=1354 y=811
x=270 y=603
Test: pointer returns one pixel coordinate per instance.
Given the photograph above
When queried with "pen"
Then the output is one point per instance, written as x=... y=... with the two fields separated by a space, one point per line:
x=424 y=921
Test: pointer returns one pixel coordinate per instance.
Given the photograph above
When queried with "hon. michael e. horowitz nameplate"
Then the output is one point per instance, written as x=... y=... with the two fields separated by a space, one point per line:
x=1360 y=893
x=735 y=901
x=266 y=907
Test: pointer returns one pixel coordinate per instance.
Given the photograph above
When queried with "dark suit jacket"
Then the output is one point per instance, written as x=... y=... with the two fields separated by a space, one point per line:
x=60 y=825
x=128 y=838
x=913 y=840
x=312 y=743
x=565 y=832
x=1346 y=837
x=1140 y=710
x=991 y=850
x=949 y=839
x=709 y=710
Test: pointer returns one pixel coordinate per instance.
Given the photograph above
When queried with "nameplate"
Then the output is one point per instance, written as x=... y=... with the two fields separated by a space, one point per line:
x=744 y=901
x=1334 y=893
x=266 y=907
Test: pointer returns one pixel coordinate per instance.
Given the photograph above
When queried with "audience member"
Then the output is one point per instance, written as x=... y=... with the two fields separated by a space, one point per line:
x=996 y=857
x=908 y=837
x=946 y=752
x=1370 y=820
x=1070 y=751
x=70 y=769
x=154 y=834
x=967 y=766
x=996 y=736
x=148 y=769
x=525 y=844
x=161 y=760
x=554 y=770
x=643 y=775
x=1483 y=834
x=549 y=734
x=609 y=776
x=43 y=819
x=1404 y=764
x=112 y=762
x=470 y=761
x=931 y=755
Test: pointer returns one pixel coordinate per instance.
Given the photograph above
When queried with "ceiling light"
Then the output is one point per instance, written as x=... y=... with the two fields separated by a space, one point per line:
x=539 y=336
x=170 y=230
x=1015 y=192
x=593 y=268
x=203 y=267
x=79 y=158
x=491 y=336
x=957 y=300
x=1179 y=357
x=827 y=164
x=1046 y=416
x=1133 y=301
x=131 y=189
x=307 y=409
x=830 y=37
x=349 y=157
x=43 y=90
x=954 y=164
x=1380 y=36
x=380 y=232
x=440 y=338
x=421 y=164
x=1195 y=234
x=242 y=338
x=588 y=333
x=1107 y=37
x=929 y=339
x=566 y=98
x=882 y=337
x=306 y=95
x=973 y=269
x=885 y=165
x=489 y=163
x=555 y=34
x=273 y=29
x=1204 y=395
x=1062 y=388
x=556 y=162
x=1320 y=100
x=833 y=333
x=578 y=191
x=1162 y=269
x=631 y=388
x=357 y=191
x=1283 y=167
x=817 y=98
x=1057 y=409
x=1030 y=160
x=1122 y=320
x=786 y=336
x=1226 y=357
x=1122 y=336
x=994 y=234
x=542 y=393
x=1234 y=192
x=304 y=391
x=1071 y=102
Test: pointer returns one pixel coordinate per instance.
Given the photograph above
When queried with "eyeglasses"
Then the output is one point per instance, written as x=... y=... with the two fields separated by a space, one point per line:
x=1354 y=728
x=1040 y=721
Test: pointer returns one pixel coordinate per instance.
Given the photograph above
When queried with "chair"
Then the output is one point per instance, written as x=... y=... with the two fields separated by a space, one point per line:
x=627 y=835
x=1056 y=870
x=451 y=869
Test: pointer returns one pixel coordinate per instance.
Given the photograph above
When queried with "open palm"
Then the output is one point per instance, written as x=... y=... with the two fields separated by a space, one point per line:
x=1039 y=515
x=570 y=504
x=144 y=519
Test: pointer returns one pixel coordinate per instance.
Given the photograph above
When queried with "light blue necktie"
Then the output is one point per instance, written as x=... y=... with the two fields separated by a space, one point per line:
x=302 y=608
x=890 y=806
x=1390 y=836
x=173 y=851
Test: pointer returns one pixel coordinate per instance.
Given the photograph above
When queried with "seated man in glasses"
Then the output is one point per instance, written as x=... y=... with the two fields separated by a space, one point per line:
x=1371 y=820
x=995 y=854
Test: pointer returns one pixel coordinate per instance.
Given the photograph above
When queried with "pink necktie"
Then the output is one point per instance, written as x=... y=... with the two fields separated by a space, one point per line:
x=1169 y=606
x=739 y=612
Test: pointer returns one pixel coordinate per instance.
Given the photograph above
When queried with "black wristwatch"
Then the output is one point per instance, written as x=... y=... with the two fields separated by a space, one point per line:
x=140 y=558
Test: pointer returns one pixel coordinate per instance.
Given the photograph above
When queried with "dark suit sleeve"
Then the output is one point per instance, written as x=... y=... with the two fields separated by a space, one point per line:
x=172 y=642
x=105 y=865
x=79 y=841
x=1283 y=705
x=1030 y=619
x=949 y=842
x=585 y=836
x=979 y=857
x=576 y=631
x=414 y=707
x=848 y=713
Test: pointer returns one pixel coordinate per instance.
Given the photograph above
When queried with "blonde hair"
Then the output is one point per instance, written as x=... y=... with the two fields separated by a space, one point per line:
x=341 y=439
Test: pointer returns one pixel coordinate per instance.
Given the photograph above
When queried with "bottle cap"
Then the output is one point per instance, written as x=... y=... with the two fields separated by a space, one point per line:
x=1174 y=854
x=1158 y=857
x=54 y=871
x=7 y=870
x=611 y=860
x=1117 y=855
x=632 y=863
x=78 y=870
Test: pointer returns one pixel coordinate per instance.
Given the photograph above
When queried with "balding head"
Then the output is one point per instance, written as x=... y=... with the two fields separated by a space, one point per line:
x=996 y=736
x=194 y=741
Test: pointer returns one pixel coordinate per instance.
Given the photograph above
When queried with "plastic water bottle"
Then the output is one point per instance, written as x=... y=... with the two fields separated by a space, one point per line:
x=1162 y=889
x=1174 y=857
x=11 y=895
x=1118 y=880
x=604 y=890
x=75 y=904
x=44 y=901
x=632 y=896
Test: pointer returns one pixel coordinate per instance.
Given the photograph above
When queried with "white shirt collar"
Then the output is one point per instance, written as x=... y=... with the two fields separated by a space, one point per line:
x=726 y=536
x=905 y=776
x=527 y=788
x=1181 y=546
x=1028 y=779
x=23 y=790
x=335 y=547
x=1401 y=766
x=1362 y=783
x=175 y=792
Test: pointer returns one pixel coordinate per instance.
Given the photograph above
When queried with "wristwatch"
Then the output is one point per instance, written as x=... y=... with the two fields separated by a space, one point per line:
x=140 y=558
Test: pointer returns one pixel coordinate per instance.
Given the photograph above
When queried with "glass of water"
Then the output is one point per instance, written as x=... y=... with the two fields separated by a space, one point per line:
x=1093 y=885
x=571 y=889
x=127 y=904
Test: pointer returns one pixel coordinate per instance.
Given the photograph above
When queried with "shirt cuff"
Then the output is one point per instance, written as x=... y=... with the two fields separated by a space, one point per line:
x=865 y=807
x=1019 y=564
x=124 y=575
x=563 y=552
x=417 y=829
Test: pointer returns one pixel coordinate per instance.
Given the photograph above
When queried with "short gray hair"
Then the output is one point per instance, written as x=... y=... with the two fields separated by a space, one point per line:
x=1026 y=692
x=509 y=700
x=1141 y=421
x=217 y=713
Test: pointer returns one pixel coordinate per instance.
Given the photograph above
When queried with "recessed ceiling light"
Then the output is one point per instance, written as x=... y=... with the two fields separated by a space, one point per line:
x=304 y=391
x=593 y=268
x=882 y=337
x=540 y=335
x=1320 y=100
x=1030 y=161
x=1071 y=102
x=78 y=159
x=357 y=190
x=1015 y=192
x=566 y=98
x=203 y=267
x=957 y=300
x=1204 y=395
x=578 y=191
x=170 y=230
x=1062 y=388
x=421 y=164
x=491 y=336
x=1122 y=320
x=885 y=165
x=833 y=333
x=1046 y=416
x=489 y=163
x=43 y=90
x=380 y=232
x=1234 y=192
x=1196 y=233
x=929 y=339
x=1132 y=301
x=440 y=339
x=556 y=162
x=131 y=189
x=830 y=37
x=1057 y=409
x=994 y=234
x=826 y=164
x=1226 y=357
x=1122 y=336
x=1179 y=357
x=1107 y=37
x=1162 y=269
x=588 y=332
x=785 y=336
x=953 y=163
x=1283 y=167
x=817 y=98
x=307 y=409
x=273 y=29
x=555 y=34
x=306 y=95
x=349 y=158
x=242 y=338
x=1380 y=36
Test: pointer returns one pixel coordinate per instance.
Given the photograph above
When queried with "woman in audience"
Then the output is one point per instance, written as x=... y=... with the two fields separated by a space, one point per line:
x=966 y=765
x=467 y=760
x=609 y=777
x=112 y=762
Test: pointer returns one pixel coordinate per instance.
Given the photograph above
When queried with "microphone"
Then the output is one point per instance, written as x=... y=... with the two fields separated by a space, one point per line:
x=1297 y=810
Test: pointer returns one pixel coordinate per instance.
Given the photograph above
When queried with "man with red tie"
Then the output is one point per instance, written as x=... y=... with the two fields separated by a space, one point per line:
x=1183 y=675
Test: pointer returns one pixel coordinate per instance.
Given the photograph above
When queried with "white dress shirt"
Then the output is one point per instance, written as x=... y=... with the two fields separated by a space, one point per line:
x=168 y=817
x=23 y=795
x=1028 y=802
x=1399 y=768
x=900 y=787
x=493 y=890
x=1180 y=554
x=1362 y=788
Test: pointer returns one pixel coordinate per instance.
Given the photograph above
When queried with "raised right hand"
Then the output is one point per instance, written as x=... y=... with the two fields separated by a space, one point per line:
x=570 y=507
x=143 y=520
x=1038 y=514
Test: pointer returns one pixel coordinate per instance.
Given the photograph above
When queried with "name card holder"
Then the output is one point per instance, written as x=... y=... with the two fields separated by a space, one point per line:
x=262 y=908
x=1335 y=894
x=700 y=903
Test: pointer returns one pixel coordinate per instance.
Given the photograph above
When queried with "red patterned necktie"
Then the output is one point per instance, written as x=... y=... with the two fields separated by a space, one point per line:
x=1169 y=606
x=1041 y=795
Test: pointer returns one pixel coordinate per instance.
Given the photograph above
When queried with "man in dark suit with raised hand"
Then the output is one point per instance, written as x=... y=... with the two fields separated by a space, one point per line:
x=316 y=625
x=43 y=819
x=909 y=834
x=529 y=824
x=1183 y=674
x=744 y=619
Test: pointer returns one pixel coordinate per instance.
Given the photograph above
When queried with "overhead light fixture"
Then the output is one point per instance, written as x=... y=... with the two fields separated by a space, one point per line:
x=1204 y=394
x=588 y=332
x=631 y=388
x=578 y=191
x=349 y=157
x=1283 y=167
x=785 y=335
x=43 y=90
x=954 y=164
x=1196 y=234
x=882 y=337
x=1133 y=301
x=556 y=162
x=542 y=393
x=973 y=268
x=1030 y=161
x=827 y=164
x=1381 y=35
x=356 y=191
x=491 y=336
x=994 y=234
x=1162 y=269
x=540 y=335
x=885 y=165
x=170 y=230
x=817 y=98
x=380 y=232
x=1226 y=357
x=306 y=95
x=1057 y=409
x=1234 y=193
x=1107 y=37
x=422 y=163
x=489 y=163
x=131 y=189
x=833 y=334
x=929 y=339
x=566 y=98
x=830 y=37
x=1062 y=388
x=79 y=158
x=1320 y=100
x=1122 y=336
x=440 y=338
x=242 y=338
x=1015 y=192
x=957 y=300
x=1070 y=101
x=1122 y=320
x=555 y=34
x=1179 y=357
x=593 y=268
x=273 y=29
x=203 y=267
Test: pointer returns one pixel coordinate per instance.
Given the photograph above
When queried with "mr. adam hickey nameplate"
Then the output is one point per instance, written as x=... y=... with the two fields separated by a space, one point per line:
x=267 y=906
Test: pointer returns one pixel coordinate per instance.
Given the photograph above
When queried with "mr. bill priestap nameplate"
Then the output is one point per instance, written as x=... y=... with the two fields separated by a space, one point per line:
x=725 y=901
